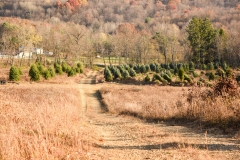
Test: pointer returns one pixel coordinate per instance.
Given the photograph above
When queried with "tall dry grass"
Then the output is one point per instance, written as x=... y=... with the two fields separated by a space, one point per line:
x=155 y=102
x=40 y=122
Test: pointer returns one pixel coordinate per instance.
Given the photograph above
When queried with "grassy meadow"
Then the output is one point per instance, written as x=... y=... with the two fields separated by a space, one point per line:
x=40 y=121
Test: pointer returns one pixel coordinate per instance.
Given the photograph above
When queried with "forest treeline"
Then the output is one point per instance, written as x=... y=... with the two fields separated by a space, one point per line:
x=137 y=31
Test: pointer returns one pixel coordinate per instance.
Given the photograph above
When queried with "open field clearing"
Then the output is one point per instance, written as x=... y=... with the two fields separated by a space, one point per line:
x=41 y=121
x=166 y=102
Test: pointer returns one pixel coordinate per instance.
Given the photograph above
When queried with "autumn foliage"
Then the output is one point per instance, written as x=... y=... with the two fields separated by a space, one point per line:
x=71 y=4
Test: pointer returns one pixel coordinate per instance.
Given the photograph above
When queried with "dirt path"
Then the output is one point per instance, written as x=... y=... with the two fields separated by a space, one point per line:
x=124 y=137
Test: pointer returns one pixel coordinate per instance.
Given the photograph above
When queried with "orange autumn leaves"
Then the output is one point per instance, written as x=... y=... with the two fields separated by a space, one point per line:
x=72 y=4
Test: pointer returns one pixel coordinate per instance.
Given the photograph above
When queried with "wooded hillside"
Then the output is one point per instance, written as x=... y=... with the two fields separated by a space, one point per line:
x=138 y=30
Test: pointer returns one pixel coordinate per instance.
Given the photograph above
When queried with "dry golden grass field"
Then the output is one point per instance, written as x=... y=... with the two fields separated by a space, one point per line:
x=40 y=121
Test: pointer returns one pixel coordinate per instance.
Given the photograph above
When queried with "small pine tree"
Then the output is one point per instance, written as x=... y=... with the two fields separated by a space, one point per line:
x=187 y=78
x=175 y=71
x=79 y=65
x=166 y=77
x=210 y=66
x=191 y=66
x=40 y=68
x=132 y=72
x=51 y=71
x=108 y=75
x=65 y=67
x=58 y=69
x=153 y=67
x=34 y=73
x=125 y=74
x=211 y=76
x=147 y=68
x=157 y=77
x=181 y=73
x=157 y=70
x=117 y=74
x=143 y=69
x=224 y=66
x=72 y=72
x=14 y=74
x=147 y=78
x=47 y=74
x=204 y=67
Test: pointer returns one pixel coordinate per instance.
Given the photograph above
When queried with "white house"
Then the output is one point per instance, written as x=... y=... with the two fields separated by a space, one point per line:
x=24 y=54
x=37 y=50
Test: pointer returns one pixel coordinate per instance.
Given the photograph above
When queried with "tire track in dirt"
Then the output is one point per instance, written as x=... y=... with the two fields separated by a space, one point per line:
x=125 y=137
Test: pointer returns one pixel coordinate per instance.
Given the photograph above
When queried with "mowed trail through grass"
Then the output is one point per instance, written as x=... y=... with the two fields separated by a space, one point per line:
x=117 y=136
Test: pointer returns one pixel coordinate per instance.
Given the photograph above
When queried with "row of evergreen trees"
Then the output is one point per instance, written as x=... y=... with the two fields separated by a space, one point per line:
x=37 y=70
x=163 y=72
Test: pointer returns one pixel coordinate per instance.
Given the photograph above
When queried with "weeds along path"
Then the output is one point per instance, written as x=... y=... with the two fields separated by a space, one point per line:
x=125 y=137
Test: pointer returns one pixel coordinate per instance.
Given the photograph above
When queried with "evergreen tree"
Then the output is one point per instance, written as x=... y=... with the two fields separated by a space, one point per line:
x=14 y=74
x=181 y=73
x=34 y=73
x=201 y=35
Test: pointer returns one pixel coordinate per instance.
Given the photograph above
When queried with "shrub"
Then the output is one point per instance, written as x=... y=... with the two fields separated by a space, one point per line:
x=108 y=75
x=14 y=74
x=224 y=66
x=187 y=78
x=136 y=68
x=40 y=68
x=216 y=65
x=169 y=73
x=166 y=77
x=191 y=66
x=72 y=72
x=211 y=76
x=186 y=67
x=65 y=67
x=105 y=70
x=172 y=66
x=204 y=67
x=125 y=74
x=51 y=71
x=79 y=65
x=181 y=73
x=153 y=67
x=121 y=69
x=127 y=67
x=175 y=71
x=147 y=68
x=132 y=72
x=157 y=70
x=226 y=86
x=117 y=73
x=47 y=74
x=143 y=69
x=210 y=66
x=34 y=73
x=147 y=78
x=58 y=69
x=157 y=77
